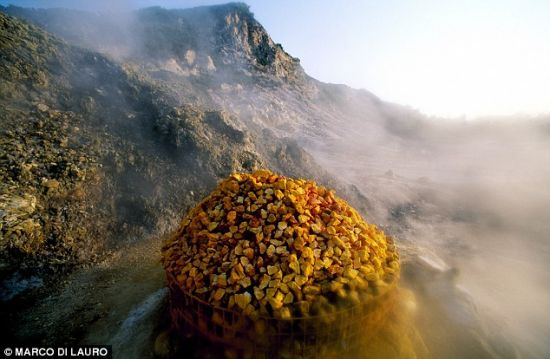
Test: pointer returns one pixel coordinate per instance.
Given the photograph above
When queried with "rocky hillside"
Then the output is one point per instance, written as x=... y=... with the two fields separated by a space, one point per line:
x=221 y=57
x=193 y=41
x=97 y=153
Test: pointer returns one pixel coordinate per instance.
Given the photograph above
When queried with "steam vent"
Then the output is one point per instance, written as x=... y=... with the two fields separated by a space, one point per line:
x=267 y=261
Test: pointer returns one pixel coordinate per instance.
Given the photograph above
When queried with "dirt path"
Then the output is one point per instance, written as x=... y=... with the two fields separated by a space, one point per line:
x=116 y=302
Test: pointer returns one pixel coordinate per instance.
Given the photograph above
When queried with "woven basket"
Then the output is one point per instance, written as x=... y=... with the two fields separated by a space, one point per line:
x=340 y=332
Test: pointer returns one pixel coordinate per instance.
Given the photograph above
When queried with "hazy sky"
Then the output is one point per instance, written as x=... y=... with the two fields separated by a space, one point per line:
x=442 y=57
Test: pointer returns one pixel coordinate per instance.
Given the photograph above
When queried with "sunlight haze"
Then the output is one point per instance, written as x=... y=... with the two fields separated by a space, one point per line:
x=444 y=58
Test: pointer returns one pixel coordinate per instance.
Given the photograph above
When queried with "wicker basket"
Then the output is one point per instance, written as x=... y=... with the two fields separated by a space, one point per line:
x=340 y=332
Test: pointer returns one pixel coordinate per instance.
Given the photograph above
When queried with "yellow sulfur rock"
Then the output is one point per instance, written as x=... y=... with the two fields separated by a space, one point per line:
x=242 y=300
x=272 y=269
x=218 y=294
x=300 y=280
x=264 y=244
x=295 y=266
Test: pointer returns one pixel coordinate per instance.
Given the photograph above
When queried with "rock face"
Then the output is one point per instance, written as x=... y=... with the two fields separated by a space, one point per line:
x=196 y=41
x=241 y=36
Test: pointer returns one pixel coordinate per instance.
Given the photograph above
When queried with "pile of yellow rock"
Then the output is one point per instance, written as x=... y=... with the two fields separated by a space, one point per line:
x=267 y=245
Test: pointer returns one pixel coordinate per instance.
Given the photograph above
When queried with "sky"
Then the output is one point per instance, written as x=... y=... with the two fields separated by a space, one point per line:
x=444 y=58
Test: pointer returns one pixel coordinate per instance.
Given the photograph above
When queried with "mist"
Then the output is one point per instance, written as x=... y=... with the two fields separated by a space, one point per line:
x=472 y=195
x=468 y=201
